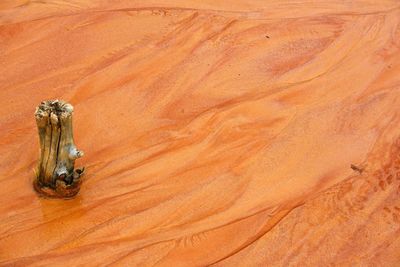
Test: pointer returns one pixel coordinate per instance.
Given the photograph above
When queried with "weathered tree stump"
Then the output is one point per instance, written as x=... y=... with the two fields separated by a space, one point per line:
x=55 y=174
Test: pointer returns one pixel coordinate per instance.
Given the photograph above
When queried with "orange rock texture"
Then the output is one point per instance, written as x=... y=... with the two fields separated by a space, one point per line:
x=225 y=133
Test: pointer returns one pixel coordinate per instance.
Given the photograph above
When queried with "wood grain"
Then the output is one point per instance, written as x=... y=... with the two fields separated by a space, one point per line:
x=215 y=133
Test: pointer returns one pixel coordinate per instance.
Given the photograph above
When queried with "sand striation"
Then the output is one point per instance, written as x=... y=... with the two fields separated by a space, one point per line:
x=214 y=133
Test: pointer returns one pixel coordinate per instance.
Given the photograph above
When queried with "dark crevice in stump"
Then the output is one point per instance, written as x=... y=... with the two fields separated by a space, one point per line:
x=55 y=175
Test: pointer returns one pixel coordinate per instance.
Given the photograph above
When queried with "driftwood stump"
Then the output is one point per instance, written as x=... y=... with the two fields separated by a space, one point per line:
x=55 y=174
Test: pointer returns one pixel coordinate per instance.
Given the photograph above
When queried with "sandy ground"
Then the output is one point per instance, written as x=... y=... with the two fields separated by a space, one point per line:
x=214 y=133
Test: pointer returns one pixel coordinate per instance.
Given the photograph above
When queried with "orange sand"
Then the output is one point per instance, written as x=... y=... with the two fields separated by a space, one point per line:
x=214 y=132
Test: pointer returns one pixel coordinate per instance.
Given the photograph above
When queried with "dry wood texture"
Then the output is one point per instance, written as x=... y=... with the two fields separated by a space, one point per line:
x=232 y=133
x=55 y=174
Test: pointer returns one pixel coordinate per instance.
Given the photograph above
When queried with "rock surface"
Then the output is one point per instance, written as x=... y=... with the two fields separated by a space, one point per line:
x=250 y=133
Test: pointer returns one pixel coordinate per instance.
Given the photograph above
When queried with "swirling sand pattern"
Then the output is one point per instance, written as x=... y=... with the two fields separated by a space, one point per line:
x=214 y=133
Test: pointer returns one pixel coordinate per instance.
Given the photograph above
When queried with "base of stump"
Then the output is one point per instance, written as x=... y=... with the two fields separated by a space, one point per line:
x=61 y=191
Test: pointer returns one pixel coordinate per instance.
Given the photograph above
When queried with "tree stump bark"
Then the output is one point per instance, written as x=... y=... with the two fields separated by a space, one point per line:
x=55 y=174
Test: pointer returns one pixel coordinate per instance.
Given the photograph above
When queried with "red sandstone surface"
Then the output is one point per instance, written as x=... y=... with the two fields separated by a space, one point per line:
x=214 y=133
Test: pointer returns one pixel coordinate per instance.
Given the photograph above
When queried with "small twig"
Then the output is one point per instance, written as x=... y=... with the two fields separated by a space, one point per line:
x=357 y=169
